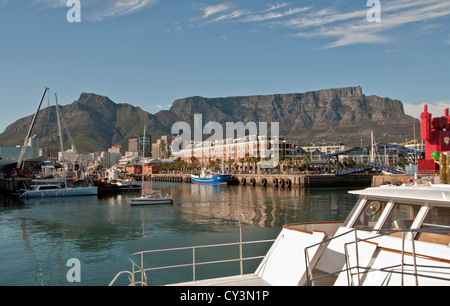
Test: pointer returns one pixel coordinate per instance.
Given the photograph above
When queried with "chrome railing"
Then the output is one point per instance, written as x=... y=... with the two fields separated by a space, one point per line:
x=360 y=271
x=138 y=273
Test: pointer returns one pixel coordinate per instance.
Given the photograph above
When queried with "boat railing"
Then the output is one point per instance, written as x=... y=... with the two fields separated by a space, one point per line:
x=138 y=273
x=360 y=271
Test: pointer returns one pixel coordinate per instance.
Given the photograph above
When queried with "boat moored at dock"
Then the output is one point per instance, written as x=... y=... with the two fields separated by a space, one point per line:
x=56 y=190
x=210 y=178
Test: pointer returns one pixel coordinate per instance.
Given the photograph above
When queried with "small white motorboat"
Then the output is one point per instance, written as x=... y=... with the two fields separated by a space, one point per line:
x=152 y=198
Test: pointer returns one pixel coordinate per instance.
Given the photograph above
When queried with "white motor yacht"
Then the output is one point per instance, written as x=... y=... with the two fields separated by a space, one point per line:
x=395 y=235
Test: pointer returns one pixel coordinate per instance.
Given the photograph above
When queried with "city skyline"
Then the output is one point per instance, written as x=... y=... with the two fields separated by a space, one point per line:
x=149 y=53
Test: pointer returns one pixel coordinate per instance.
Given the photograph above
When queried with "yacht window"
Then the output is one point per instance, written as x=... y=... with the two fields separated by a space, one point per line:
x=49 y=187
x=401 y=217
x=436 y=226
x=369 y=215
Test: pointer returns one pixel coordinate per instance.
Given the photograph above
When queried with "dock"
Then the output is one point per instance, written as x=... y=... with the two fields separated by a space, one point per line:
x=13 y=184
x=282 y=180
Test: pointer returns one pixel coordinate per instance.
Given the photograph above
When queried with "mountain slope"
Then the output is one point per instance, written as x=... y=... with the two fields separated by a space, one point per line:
x=342 y=114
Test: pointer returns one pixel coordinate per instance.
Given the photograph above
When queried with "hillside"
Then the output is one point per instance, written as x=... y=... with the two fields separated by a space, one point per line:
x=343 y=114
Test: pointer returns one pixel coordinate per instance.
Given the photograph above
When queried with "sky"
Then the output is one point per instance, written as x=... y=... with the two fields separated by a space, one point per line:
x=149 y=53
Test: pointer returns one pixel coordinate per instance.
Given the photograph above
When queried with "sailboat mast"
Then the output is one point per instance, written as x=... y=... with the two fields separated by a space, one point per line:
x=61 y=141
x=143 y=162
x=20 y=163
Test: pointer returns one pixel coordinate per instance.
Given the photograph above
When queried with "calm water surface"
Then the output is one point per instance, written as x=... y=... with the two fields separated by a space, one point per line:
x=38 y=237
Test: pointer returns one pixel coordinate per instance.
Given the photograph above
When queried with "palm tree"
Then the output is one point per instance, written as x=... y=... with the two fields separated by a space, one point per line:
x=306 y=159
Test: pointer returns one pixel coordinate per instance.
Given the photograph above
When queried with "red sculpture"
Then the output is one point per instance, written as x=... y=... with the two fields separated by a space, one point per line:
x=436 y=133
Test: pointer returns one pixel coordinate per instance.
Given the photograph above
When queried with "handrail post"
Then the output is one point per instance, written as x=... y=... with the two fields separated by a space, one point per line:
x=415 y=262
x=193 y=264
x=240 y=246
x=357 y=257
x=142 y=265
x=403 y=256
x=240 y=249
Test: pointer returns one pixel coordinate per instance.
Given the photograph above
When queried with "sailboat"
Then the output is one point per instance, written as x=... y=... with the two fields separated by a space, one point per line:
x=152 y=197
x=58 y=189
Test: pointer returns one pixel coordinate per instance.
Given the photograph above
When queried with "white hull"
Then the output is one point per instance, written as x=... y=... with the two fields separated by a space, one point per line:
x=62 y=192
x=146 y=201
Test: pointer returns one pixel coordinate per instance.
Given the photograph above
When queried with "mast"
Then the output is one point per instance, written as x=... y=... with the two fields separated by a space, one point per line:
x=143 y=162
x=20 y=163
x=60 y=141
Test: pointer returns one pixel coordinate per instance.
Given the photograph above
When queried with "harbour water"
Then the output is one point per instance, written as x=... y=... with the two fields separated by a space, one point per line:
x=39 y=236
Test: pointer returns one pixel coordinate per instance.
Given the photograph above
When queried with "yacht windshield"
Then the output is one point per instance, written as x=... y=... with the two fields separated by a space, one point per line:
x=369 y=215
x=436 y=226
x=401 y=217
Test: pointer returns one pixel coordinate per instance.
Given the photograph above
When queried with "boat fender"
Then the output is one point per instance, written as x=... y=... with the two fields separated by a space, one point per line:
x=275 y=182
x=281 y=182
x=252 y=181
x=264 y=181
x=243 y=181
x=288 y=183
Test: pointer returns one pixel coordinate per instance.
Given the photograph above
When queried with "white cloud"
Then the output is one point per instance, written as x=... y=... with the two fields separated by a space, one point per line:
x=96 y=10
x=51 y=3
x=215 y=9
x=349 y=28
x=120 y=8
x=342 y=27
x=435 y=108
x=270 y=15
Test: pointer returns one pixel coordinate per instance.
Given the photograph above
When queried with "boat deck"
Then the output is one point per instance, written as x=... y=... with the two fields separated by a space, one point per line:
x=253 y=280
x=238 y=280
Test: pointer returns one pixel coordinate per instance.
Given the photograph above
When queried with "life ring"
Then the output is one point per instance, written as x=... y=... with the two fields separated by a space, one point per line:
x=243 y=181
x=263 y=181
x=281 y=182
x=288 y=183
x=252 y=181
x=275 y=182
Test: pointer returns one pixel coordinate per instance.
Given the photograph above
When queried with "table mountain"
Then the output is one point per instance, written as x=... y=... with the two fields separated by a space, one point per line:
x=343 y=114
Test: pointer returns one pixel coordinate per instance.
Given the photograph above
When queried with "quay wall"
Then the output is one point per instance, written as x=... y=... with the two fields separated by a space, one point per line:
x=12 y=184
x=282 y=180
x=395 y=179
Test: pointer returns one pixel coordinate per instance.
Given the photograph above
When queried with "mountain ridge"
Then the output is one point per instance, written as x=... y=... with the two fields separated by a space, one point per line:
x=341 y=114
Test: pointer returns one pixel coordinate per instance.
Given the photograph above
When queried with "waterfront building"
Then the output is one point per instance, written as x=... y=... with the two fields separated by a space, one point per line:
x=238 y=150
x=324 y=148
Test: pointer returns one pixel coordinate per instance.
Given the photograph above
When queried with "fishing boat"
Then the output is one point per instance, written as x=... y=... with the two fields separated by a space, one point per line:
x=153 y=197
x=210 y=178
x=58 y=187
x=395 y=235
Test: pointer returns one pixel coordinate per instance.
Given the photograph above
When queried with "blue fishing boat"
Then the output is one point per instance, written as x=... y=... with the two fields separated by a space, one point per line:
x=209 y=178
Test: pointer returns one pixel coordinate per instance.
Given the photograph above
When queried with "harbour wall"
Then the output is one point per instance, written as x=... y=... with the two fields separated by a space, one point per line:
x=282 y=180
x=11 y=185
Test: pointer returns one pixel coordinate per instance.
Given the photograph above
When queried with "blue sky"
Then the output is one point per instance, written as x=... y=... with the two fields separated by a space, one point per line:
x=150 y=52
